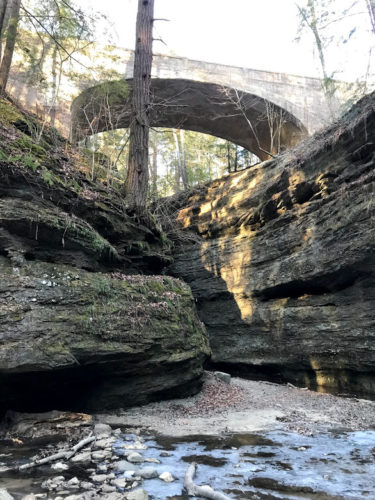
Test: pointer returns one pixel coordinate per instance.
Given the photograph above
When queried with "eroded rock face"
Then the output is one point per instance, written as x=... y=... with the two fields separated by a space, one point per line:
x=71 y=339
x=284 y=272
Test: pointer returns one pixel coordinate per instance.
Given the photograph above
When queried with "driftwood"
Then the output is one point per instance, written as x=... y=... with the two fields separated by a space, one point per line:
x=295 y=387
x=61 y=455
x=193 y=490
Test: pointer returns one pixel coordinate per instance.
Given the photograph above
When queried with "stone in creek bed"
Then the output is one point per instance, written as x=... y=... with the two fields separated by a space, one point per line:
x=152 y=460
x=165 y=454
x=72 y=483
x=167 y=477
x=124 y=466
x=106 y=488
x=59 y=467
x=104 y=443
x=137 y=495
x=4 y=495
x=101 y=455
x=100 y=478
x=52 y=483
x=135 y=457
x=137 y=445
x=119 y=483
x=148 y=473
x=82 y=458
x=224 y=377
x=85 y=485
x=102 y=429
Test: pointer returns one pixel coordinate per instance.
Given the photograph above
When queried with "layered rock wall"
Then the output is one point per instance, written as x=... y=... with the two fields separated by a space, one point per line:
x=71 y=339
x=284 y=269
x=80 y=327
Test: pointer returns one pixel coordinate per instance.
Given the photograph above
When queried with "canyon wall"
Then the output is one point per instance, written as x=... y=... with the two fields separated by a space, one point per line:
x=282 y=262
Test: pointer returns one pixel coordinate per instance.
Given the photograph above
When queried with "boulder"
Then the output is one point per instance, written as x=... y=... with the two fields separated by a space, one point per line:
x=283 y=270
x=78 y=340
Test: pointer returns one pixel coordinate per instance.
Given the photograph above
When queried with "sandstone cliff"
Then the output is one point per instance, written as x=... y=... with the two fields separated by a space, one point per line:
x=284 y=267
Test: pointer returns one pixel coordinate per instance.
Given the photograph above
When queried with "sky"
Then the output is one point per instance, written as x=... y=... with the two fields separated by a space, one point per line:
x=258 y=34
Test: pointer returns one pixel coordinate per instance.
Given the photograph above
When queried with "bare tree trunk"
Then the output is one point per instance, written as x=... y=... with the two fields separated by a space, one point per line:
x=14 y=10
x=228 y=157
x=137 y=176
x=154 y=167
x=178 y=163
x=52 y=111
x=3 y=8
x=184 y=177
x=312 y=23
x=235 y=166
x=371 y=11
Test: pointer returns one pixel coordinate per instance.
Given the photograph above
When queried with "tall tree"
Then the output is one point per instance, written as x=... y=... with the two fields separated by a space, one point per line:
x=3 y=8
x=10 y=41
x=310 y=19
x=371 y=10
x=184 y=176
x=137 y=176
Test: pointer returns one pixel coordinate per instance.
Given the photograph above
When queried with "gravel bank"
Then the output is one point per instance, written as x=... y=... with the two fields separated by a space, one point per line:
x=247 y=406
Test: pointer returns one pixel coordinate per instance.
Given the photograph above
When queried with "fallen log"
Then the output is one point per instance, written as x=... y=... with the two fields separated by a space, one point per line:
x=61 y=455
x=193 y=490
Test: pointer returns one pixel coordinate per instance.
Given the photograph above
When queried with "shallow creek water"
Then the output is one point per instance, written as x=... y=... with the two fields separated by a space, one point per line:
x=274 y=465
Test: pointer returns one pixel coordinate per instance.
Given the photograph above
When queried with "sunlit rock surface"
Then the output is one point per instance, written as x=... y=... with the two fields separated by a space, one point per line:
x=284 y=270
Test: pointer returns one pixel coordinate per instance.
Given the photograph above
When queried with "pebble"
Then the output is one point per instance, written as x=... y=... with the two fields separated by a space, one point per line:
x=137 y=495
x=105 y=442
x=73 y=483
x=4 y=495
x=60 y=467
x=224 y=377
x=148 y=473
x=100 y=455
x=124 y=466
x=52 y=484
x=82 y=458
x=102 y=430
x=119 y=483
x=167 y=477
x=152 y=460
x=165 y=454
x=99 y=478
x=137 y=445
x=135 y=457
x=85 y=485
x=129 y=474
x=106 y=488
x=114 y=496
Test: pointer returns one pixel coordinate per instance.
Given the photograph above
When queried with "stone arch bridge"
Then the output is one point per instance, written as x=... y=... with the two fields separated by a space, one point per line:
x=258 y=110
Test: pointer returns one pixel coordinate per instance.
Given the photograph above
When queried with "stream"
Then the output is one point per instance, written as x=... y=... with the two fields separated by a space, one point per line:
x=275 y=464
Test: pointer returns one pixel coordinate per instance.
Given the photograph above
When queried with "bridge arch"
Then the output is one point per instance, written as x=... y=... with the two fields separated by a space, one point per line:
x=253 y=122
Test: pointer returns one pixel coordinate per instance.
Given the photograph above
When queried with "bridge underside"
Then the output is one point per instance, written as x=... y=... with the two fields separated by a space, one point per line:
x=242 y=118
